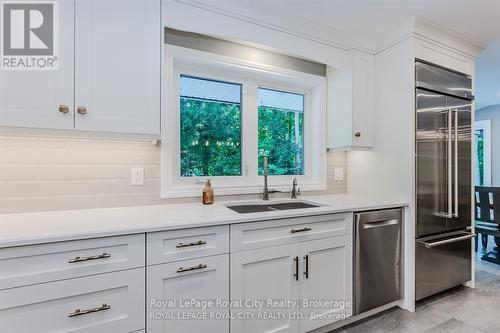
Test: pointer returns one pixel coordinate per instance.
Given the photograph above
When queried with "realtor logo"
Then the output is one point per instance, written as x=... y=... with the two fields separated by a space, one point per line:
x=29 y=35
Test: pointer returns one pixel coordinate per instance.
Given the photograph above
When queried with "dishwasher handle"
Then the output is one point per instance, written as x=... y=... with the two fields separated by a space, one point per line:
x=378 y=215
x=377 y=224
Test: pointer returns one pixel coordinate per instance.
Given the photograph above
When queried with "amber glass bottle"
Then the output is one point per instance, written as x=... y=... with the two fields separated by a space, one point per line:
x=208 y=194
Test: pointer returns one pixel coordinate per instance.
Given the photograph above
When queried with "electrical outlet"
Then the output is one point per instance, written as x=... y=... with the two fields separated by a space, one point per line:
x=137 y=176
x=338 y=174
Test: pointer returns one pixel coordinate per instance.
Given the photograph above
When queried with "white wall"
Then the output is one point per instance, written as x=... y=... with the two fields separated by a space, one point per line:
x=492 y=113
x=41 y=174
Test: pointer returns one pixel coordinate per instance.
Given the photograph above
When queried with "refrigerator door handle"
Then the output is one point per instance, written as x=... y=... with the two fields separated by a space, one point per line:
x=446 y=241
x=449 y=184
x=455 y=213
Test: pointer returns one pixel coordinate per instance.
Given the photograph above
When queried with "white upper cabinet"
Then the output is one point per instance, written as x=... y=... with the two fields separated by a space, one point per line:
x=117 y=69
x=444 y=56
x=31 y=98
x=350 y=103
x=109 y=72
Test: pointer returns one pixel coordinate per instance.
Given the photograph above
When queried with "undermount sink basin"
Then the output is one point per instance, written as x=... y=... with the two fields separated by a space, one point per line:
x=244 y=209
x=269 y=207
x=293 y=205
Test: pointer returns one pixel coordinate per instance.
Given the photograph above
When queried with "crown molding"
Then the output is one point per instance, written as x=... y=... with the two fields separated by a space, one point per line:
x=346 y=40
x=340 y=39
x=435 y=33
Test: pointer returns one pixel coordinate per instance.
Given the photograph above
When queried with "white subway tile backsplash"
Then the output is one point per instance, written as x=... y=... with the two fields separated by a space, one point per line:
x=40 y=174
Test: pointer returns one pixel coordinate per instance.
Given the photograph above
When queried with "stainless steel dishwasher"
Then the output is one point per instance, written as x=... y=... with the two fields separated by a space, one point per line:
x=377 y=258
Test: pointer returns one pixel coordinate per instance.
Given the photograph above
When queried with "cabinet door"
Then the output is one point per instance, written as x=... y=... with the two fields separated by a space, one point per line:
x=265 y=274
x=362 y=99
x=31 y=98
x=326 y=277
x=117 y=65
x=351 y=102
x=196 y=279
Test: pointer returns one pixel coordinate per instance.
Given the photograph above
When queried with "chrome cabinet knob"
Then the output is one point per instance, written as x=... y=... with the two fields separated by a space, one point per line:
x=357 y=134
x=81 y=110
x=63 y=108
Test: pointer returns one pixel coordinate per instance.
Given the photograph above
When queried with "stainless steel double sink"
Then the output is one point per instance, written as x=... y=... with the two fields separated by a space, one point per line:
x=269 y=207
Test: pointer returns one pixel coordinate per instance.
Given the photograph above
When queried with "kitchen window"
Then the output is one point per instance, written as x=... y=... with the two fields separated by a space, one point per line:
x=221 y=117
x=210 y=123
x=281 y=131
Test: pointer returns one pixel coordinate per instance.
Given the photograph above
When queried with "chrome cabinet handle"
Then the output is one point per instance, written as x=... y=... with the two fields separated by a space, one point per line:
x=79 y=312
x=200 y=242
x=357 y=134
x=81 y=110
x=80 y=259
x=63 y=108
x=192 y=268
x=293 y=231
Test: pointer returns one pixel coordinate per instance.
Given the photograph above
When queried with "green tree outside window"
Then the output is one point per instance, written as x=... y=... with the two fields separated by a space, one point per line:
x=210 y=129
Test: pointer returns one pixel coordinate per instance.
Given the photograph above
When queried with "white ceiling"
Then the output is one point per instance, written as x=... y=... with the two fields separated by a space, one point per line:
x=476 y=20
x=359 y=22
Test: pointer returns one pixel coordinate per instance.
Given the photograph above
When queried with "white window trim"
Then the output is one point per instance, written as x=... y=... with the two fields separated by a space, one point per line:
x=180 y=60
x=485 y=125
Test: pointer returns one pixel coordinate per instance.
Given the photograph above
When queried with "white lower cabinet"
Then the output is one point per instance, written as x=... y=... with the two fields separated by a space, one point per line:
x=298 y=284
x=328 y=264
x=259 y=275
x=316 y=275
x=104 y=303
x=202 y=279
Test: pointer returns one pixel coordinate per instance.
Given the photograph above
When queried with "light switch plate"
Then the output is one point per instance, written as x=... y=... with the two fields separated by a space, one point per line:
x=137 y=176
x=338 y=173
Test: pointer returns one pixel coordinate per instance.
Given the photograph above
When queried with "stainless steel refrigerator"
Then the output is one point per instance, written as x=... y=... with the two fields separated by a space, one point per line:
x=443 y=179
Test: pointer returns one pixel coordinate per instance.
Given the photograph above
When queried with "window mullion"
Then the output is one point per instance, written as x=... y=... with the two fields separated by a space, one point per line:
x=250 y=137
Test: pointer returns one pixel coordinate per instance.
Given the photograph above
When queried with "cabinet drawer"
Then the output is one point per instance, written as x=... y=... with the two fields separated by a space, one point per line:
x=26 y=265
x=202 y=279
x=117 y=300
x=183 y=244
x=247 y=236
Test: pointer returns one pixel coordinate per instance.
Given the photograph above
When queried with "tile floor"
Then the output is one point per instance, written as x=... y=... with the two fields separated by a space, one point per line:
x=461 y=310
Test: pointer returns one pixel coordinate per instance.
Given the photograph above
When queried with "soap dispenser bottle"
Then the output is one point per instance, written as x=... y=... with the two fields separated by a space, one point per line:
x=208 y=193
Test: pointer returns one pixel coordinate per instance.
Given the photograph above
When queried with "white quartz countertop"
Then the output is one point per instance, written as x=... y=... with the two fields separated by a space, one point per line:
x=54 y=226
